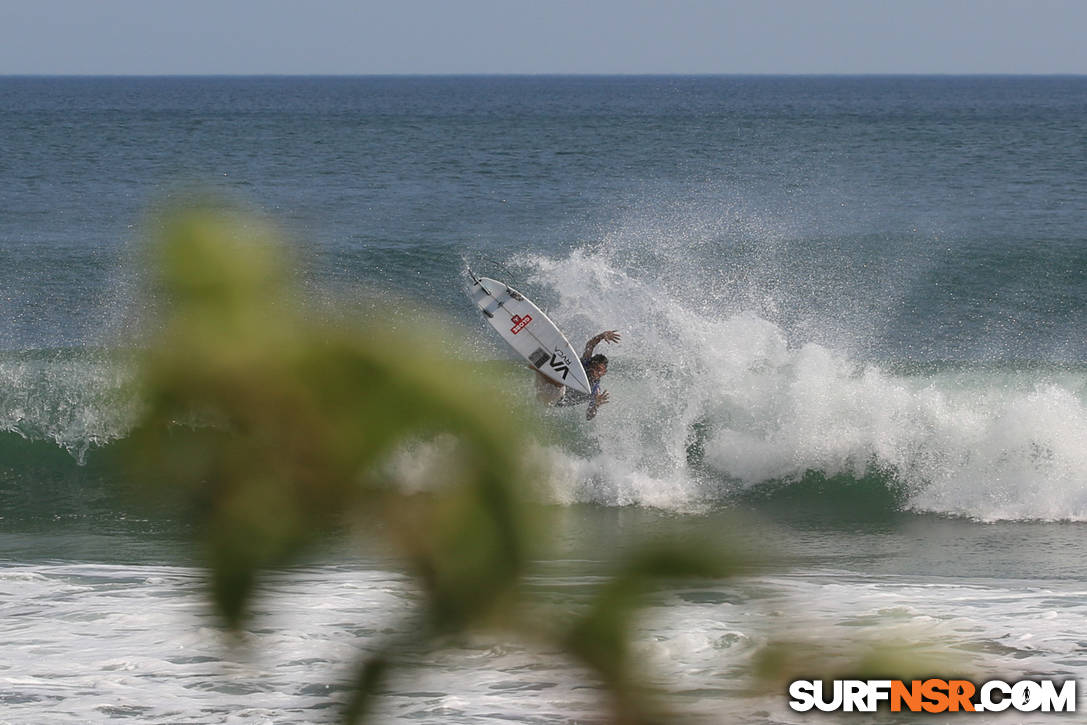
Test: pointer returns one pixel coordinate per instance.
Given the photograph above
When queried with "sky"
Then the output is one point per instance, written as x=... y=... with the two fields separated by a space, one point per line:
x=362 y=37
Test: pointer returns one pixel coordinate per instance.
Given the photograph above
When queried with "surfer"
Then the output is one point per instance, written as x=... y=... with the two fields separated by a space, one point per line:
x=596 y=366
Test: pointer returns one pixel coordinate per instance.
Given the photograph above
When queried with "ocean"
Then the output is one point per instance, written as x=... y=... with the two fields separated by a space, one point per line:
x=853 y=314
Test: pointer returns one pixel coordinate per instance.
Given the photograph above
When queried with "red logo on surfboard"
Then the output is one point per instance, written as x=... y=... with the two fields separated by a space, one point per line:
x=519 y=323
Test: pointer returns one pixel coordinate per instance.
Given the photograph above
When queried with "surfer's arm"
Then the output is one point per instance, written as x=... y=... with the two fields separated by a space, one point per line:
x=598 y=400
x=609 y=335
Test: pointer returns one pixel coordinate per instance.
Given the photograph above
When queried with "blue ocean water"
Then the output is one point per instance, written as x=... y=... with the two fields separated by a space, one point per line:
x=852 y=308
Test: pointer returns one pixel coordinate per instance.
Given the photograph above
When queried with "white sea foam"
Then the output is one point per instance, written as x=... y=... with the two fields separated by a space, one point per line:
x=86 y=643
x=761 y=406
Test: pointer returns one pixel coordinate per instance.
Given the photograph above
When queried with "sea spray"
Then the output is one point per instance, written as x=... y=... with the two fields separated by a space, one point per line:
x=984 y=441
x=79 y=398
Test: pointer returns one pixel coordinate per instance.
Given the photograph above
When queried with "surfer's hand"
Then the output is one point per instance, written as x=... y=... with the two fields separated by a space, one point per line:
x=598 y=400
x=611 y=335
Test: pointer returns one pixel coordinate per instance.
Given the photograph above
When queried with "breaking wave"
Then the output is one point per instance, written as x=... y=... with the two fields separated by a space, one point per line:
x=713 y=402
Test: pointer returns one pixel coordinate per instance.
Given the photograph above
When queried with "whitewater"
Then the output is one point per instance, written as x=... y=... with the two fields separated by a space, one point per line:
x=984 y=441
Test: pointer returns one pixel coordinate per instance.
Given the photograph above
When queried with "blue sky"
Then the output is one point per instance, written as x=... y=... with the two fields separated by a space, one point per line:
x=542 y=36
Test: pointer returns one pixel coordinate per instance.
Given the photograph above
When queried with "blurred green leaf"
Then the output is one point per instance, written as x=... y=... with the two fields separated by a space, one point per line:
x=271 y=421
x=850 y=657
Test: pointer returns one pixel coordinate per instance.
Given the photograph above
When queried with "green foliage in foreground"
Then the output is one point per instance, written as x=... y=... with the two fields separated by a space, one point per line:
x=275 y=429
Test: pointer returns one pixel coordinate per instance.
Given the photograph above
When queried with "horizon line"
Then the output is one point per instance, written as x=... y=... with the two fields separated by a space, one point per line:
x=549 y=74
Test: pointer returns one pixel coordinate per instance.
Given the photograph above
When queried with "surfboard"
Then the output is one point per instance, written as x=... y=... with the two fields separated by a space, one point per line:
x=530 y=332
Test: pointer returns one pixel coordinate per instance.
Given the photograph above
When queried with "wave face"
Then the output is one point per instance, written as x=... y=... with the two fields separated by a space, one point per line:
x=719 y=392
x=712 y=403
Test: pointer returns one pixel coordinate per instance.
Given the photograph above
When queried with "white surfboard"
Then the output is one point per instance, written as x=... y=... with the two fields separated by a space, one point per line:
x=529 y=332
